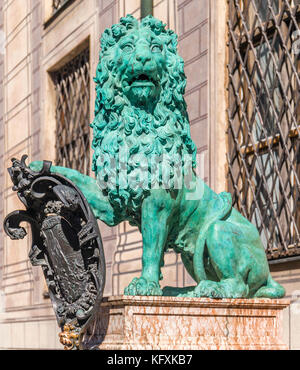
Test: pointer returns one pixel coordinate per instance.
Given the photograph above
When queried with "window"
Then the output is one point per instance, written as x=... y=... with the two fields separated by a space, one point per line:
x=54 y=8
x=72 y=85
x=263 y=116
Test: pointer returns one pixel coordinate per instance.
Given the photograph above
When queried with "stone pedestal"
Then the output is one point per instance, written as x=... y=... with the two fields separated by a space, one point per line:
x=171 y=323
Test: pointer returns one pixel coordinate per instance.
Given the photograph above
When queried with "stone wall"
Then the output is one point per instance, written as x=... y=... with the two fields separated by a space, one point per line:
x=27 y=125
x=2 y=151
x=193 y=25
x=2 y=148
x=288 y=274
x=26 y=319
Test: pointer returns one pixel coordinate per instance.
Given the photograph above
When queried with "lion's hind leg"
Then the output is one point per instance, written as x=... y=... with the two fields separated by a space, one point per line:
x=227 y=288
x=221 y=250
x=271 y=290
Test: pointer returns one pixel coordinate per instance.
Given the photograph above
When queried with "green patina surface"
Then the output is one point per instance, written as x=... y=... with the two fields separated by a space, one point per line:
x=140 y=117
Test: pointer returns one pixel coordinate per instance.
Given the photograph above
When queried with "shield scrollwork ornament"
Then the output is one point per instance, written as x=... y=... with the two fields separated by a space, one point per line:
x=66 y=243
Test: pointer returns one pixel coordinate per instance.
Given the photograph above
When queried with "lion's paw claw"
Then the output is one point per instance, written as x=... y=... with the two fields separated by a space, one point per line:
x=141 y=286
x=209 y=289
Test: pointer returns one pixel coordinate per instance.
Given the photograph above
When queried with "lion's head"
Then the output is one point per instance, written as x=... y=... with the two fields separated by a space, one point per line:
x=139 y=109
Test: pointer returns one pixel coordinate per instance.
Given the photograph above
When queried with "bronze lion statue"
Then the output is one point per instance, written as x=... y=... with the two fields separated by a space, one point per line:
x=144 y=161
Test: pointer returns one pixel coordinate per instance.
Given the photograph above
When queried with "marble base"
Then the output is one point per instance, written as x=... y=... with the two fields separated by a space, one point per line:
x=171 y=323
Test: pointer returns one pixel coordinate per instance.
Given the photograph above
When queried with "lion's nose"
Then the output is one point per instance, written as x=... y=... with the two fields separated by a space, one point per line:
x=143 y=56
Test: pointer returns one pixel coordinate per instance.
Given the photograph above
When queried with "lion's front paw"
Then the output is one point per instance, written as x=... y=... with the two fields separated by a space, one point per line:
x=141 y=286
x=210 y=289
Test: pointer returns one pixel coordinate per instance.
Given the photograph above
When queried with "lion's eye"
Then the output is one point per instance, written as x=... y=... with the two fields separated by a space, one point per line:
x=127 y=47
x=156 y=48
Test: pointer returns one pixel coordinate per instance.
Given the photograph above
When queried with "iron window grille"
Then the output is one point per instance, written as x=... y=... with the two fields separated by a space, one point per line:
x=263 y=119
x=72 y=86
x=57 y=4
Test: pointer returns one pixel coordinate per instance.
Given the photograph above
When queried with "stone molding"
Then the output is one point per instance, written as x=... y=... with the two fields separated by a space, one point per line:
x=151 y=323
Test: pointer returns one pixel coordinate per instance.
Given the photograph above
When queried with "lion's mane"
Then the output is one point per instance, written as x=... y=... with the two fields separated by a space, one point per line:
x=118 y=124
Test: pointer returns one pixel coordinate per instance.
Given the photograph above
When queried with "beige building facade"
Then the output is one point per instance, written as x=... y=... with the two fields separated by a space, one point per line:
x=39 y=43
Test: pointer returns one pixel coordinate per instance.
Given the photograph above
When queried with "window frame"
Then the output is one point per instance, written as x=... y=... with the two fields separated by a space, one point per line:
x=246 y=147
x=68 y=84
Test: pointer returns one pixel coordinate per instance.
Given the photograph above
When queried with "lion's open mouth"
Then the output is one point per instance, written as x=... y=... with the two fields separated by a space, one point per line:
x=142 y=80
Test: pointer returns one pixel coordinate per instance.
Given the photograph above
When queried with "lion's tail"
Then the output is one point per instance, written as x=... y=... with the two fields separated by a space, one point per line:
x=271 y=290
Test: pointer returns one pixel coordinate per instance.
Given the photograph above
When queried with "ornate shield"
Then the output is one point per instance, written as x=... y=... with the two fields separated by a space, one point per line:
x=66 y=243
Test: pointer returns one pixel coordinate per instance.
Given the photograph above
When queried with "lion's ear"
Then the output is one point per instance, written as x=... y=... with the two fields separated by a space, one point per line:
x=172 y=41
x=129 y=22
x=107 y=39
